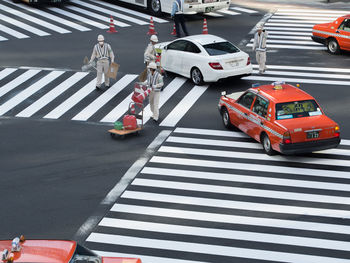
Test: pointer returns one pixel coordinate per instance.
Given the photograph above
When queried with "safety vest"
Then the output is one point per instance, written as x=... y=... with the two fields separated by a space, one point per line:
x=102 y=52
x=261 y=39
x=179 y=8
x=152 y=80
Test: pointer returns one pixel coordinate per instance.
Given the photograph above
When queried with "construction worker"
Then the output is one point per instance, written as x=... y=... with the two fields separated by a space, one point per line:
x=155 y=82
x=177 y=14
x=102 y=51
x=259 y=46
x=150 y=52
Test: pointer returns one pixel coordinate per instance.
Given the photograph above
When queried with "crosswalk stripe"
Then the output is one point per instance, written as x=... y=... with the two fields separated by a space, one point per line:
x=51 y=95
x=224 y=233
x=23 y=25
x=26 y=93
x=310 y=14
x=18 y=81
x=34 y=19
x=294 y=47
x=289 y=28
x=104 y=98
x=289 y=24
x=213 y=14
x=12 y=32
x=106 y=19
x=79 y=18
x=5 y=72
x=302 y=74
x=71 y=101
x=245 y=10
x=273 y=20
x=118 y=111
x=289 y=33
x=310 y=42
x=251 y=167
x=297 y=17
x=210 y=249
x=288 y=37
x=3 y=38
x=238 y=178
x=320 y=69
x=228 y=12
x=165 y=95
x=210 y=132
x=129 y=11
x=313 y=11
x=185 y=104
x=110 y=12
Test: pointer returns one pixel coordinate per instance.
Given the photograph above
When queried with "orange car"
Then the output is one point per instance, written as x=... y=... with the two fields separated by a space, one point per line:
x=282 y=117
x=335 y=35
x=53 y=251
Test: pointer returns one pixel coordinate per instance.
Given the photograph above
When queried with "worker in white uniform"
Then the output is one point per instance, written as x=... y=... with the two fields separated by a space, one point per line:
x=150 y=51
x=259 y=46
x=154 y=81
x=102 y=52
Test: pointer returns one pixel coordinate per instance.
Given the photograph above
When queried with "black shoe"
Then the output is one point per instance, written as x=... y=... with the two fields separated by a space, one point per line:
x=107 y=87
x=156 y=121
x=161 y=89
x=98 y=88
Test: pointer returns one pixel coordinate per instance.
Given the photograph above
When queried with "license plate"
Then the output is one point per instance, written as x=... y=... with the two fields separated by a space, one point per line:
x=209 y=9
x=312 y=134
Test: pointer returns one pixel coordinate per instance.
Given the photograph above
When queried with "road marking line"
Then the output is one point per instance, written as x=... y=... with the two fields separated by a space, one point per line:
x=271 y=32
x=310 y=42
x=295 y=21
x=213 y=14
x=228 y=12
x=51 y=95
x=288 y=37
x=288 y=28
x=304 y=18
x=314 y=15
x=288 y=25
x=293 y=47
x=302 y=74
x=245 y=10
x=312 y=11
x=118 y=111
x=5 y=72
x=23 y=25
x=336 y=70
x=211 y=132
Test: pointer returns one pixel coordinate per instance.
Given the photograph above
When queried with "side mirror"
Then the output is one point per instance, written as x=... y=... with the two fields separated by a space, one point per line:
x=166 y=48
x=223 y=93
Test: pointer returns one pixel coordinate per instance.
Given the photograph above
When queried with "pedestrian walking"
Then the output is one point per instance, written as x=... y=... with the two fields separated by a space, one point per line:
x=102 y=52
x=259 y=46
x=154 y=81
x=150 y=51
x=177 y=14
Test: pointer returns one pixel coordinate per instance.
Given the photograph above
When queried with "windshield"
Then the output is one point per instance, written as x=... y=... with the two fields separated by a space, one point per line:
x=297 y=109
x=220 y=48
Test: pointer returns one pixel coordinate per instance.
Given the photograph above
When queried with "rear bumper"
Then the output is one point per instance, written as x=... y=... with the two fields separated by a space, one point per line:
x=214 y=75
x=319 y=39
x=311 y=146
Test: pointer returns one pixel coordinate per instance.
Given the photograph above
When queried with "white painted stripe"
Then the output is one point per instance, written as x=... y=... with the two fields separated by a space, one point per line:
x=51 y=95
x=116 y=15
x=251 y=167
x=299 y=29
x=129 y=11
x=295 y=21
x=271 y=32
x=5 y=72
x=105 y=19
x=211 y=132
x=184 y=105
x=118 y=111
x=165 y=95
x=288 y=37
x=145 y=259
x=303 y=74
x=173 y=200
x=3 y=38
x=345 y=142
x=336 y=70
x=299 y=80
x=278 y=195
x=310 y=42
x=213 y=14
x=228 y=12
x=210 y=249
x=245 y=10
x=23 y=95
x=324 y=19
x=224 y=233
x=314 y=15
x=233 y=177
x=313 y=11
x=293 y=47
x=289 y=25
x=34 y=19
x=72 y=101
x=231 y=219
x=98 y=103
x=23 y=25
x=18 y=81
x=79 y=18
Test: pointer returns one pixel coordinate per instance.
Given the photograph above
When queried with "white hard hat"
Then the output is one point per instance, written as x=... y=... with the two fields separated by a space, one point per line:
x=260 y=26
x=152 y=65
x=154 y=38
x=100 y=38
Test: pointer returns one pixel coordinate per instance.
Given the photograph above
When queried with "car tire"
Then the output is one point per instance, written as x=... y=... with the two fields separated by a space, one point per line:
x=333 y=46
x=154 y=7
x=226 y=118
x=266 y=143
x=196 y=76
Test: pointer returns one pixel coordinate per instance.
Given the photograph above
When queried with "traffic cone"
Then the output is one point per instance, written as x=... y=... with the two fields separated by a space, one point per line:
x=174 y=31
x=151 y=30
x=205 y=27
x=111 y=26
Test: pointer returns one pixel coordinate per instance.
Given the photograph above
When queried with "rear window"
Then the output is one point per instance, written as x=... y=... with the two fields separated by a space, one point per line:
x=220 y=48
x=297 y=109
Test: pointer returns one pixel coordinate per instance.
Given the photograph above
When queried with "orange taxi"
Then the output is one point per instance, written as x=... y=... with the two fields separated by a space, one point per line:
x=281 y=117
x=52 y=251
x=335 y=35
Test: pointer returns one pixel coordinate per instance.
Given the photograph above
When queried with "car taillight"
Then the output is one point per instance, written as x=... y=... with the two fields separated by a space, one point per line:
x=215 y=65
x=248 y=61
x=337 y=131
x=286 y=138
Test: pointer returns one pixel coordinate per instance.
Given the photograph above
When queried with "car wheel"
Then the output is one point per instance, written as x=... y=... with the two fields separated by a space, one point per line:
x=266 y=143
x=333 y=46
x=154 y=7
x=226 y=118
x=196 y=76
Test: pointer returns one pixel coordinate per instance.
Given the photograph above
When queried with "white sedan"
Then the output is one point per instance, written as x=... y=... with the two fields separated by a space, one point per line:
x=204 y=58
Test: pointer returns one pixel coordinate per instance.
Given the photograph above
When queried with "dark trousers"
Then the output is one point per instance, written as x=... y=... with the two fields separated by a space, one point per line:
x=179 y=19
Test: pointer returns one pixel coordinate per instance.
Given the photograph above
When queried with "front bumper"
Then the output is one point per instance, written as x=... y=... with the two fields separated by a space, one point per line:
x=214 y=75
x=319 y=39
x=311 y=146
x=203 y=8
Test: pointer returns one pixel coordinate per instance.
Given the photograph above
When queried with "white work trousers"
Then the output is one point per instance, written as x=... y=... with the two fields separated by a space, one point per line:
x=261 y=60
x=102 y=67
x=154 y=104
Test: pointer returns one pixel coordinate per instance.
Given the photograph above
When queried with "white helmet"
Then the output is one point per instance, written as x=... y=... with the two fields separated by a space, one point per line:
x=260 y=26
x=154 y=38
x=100 y=38
x=152 y=65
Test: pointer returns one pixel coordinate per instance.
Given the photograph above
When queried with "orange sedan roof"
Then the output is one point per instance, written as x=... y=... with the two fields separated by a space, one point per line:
x=42 y=251
x=285 y=94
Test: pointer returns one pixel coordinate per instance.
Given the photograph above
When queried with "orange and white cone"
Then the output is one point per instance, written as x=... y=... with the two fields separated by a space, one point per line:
x=111 y=26
x=205 y=27
x=151 y=30
x=174 y=31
